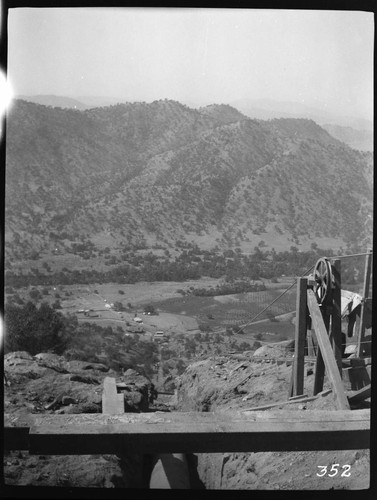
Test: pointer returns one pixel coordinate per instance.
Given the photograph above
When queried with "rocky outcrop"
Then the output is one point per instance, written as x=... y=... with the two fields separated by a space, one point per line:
x=138 y=391
x=227 y=383
x=20 y=365
x=278 y=350
x=47 y=383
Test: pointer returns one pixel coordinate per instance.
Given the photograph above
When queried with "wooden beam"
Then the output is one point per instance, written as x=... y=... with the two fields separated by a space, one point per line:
x=327 y=352
x=367 y=273
x=319 y=372
x=336 y=315
x=293 y=400
x=300 y=335
x=195 y=432
x=112 y=402
x=360 y=395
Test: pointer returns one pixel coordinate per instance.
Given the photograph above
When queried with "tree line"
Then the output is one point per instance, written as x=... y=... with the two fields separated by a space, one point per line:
x=191 y=264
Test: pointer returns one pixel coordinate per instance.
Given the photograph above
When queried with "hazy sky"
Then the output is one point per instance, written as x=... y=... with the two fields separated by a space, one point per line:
x=318 y=58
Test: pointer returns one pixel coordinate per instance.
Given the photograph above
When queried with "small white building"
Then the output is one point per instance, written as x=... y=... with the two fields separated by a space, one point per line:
x=137 y=319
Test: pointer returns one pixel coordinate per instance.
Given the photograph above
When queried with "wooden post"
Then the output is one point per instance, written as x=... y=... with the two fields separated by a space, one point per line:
x=327 y=352
x=319 y=374
x=112 y=402
x=367 y=273
x=290 y=388
x=300 y=335
x=336 y=315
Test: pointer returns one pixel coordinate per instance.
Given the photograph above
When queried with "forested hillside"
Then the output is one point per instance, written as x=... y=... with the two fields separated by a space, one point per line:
x=141 y=175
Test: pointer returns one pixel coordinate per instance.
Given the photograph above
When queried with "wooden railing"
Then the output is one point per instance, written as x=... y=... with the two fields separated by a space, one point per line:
x=193 y=432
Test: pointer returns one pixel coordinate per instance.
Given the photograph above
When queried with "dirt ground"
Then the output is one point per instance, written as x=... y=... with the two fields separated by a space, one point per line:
x=224 y=383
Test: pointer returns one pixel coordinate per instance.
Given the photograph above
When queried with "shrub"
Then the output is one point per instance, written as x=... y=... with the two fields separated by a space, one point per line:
x=35 y=330
x=244 y=346
x=149 y=308
x=205 y=328
x=35 y=294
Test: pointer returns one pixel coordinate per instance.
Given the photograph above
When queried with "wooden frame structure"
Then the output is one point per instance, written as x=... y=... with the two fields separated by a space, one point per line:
x=323 y=322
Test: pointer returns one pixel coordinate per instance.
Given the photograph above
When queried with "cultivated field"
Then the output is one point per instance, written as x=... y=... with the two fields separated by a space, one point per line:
x=178 y=313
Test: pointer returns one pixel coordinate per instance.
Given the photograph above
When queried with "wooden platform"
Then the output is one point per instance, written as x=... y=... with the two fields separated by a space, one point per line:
x=192 y=432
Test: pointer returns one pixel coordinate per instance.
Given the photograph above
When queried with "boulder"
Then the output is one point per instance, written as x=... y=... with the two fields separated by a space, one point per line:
x=68 y=400
x=20 y=365
x=18 y=355
x=85 y=379
x=138 y=391
x=278 y=350
x=76 y=366
x=135 y=402
x=53 y=361
x=83 y=408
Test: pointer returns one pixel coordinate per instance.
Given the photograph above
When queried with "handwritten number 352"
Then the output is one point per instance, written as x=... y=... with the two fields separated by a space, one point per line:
x=334 y=470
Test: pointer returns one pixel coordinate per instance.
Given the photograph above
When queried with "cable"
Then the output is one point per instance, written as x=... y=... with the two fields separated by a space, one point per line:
x=304 y=274
x=292 y=285
x=351 y=255
x=277 y=298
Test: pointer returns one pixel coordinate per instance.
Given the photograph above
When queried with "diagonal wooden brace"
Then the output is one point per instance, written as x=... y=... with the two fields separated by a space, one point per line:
x=327 y=352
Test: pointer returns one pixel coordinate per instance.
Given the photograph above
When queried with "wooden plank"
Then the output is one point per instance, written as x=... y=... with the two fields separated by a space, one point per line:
x=356 y=377
x=300 y=335
x=360 y=361
x=319 y=371
x=360 y=395
x=196 y=432
x=112 y=402
x=367 y=273
x=327 y=352
x=293 y=399
x=100 y=419
x=290 y=388
x=336 y=315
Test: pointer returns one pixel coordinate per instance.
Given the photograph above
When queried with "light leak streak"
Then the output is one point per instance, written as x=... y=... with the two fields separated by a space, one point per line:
x=6 y=93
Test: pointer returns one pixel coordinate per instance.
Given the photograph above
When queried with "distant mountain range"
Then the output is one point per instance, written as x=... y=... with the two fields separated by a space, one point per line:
x=54 y=101
x=265 y=109
x=356 y=132
x=144 y=175
x=357 y=139
x=81 y=102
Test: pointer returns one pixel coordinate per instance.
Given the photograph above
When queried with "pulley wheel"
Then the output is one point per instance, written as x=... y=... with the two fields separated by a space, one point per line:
x=323 y=281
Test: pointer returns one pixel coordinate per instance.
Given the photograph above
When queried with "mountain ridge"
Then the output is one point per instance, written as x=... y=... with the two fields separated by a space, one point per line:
x=150 y=174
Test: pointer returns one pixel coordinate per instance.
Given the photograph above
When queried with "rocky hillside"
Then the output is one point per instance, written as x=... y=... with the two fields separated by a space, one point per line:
x=258 y=381
x=151 y=174
x=51 y=384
